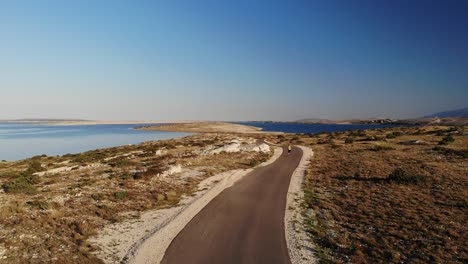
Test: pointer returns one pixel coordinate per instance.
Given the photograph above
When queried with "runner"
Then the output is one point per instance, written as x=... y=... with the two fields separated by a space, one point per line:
x=289 y=148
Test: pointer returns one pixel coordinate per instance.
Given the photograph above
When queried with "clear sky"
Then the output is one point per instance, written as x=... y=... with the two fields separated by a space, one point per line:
x=232 y=60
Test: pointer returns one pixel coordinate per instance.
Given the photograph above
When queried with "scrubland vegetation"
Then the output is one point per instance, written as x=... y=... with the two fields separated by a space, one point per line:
x=371 y=196
x=50 y=206
x=396 y=195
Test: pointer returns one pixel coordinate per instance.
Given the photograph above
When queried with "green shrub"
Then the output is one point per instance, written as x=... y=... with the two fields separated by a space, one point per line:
x=121 y=162
x=446 y=140
x=349 y=140
x=24 y=183
x=253 y=163
x=89 y=156
x=401 y=177
x=120 y=195
x=126 y=176
x=35 y=166
x=9 y=174
x=394 y=134
x=357 y=133
x=448 y=151
x=381 y=148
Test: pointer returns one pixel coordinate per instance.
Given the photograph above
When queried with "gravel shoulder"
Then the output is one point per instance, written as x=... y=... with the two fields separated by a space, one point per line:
x=151 y=247
x=301 y=249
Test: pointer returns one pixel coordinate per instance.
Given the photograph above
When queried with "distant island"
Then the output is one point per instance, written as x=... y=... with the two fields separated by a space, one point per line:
x=449 y=118
x=452 y=117
x=463 y=112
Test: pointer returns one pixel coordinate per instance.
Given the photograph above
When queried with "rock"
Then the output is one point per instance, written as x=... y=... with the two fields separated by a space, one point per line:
x=172 y=170
x=160 y=152
x=230 y=148
x=412 y=142
x=264 y=148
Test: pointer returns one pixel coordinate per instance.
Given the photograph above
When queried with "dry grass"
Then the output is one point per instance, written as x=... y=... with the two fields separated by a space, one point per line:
x=388 y=199
x=48 y=216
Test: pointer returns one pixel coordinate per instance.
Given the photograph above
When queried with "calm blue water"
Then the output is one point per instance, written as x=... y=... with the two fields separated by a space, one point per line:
x=19 y=140
x=310 y=128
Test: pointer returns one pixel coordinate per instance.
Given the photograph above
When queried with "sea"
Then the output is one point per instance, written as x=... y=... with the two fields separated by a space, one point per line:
x=312 y=128
x=24 y=140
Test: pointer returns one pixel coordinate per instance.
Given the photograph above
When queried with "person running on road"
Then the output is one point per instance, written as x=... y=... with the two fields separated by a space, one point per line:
x=289 y=148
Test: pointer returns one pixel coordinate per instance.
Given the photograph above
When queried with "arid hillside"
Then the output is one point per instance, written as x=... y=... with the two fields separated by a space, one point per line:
x=387 y=195
x=51 y=206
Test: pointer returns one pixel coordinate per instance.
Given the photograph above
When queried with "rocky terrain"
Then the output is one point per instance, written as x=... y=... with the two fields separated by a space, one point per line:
x=50 y=207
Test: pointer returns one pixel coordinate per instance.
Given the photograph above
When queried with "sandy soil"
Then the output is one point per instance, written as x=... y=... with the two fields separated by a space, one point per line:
x=145 y=238
x=299 y=245
x=205 y=127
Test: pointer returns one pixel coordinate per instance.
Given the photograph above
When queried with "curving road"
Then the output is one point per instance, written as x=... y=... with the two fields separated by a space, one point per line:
x=243 y=224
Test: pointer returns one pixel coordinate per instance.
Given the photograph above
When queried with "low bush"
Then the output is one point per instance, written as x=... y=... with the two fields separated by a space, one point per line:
x=401 y=177
x=448 y=151
x=253 y=163
x=35 y=166
x=381 y=148
x=24 y=183
x=120 y=195
x=357 y=133
x=38 y=204
x=9 y=174
x=394 y=134
x=89 y=156
x=121 y=162
x=349 y=140
x=446 y=140
x=150 y=172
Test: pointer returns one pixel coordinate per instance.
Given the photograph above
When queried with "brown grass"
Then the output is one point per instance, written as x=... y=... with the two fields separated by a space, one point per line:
x=398 y=203
x=404 y=204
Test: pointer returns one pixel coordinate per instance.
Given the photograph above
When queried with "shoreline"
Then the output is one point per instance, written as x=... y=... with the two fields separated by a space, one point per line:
x=94 y=189
x=213 y=127
x=208 y=127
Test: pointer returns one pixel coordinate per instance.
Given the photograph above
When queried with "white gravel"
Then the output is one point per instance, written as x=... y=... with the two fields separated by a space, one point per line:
x=301 y=249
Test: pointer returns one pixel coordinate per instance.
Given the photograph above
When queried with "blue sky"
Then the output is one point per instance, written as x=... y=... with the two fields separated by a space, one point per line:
x=232 y=60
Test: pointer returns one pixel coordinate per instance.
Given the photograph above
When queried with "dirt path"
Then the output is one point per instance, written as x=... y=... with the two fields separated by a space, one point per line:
x=244 y=224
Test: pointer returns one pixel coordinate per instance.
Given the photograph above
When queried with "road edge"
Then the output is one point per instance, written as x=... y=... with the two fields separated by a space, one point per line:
x=152 y=248
x=300 y=247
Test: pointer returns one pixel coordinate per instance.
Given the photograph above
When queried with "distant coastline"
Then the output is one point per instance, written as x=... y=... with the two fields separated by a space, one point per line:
x=80 y=122
x=449 y=121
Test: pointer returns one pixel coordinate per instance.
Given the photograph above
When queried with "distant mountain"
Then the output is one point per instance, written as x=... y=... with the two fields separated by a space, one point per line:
x=47 y=120
x=453 y=113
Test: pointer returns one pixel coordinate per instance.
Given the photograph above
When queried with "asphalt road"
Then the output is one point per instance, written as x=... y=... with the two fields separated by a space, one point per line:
x=244 y=223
